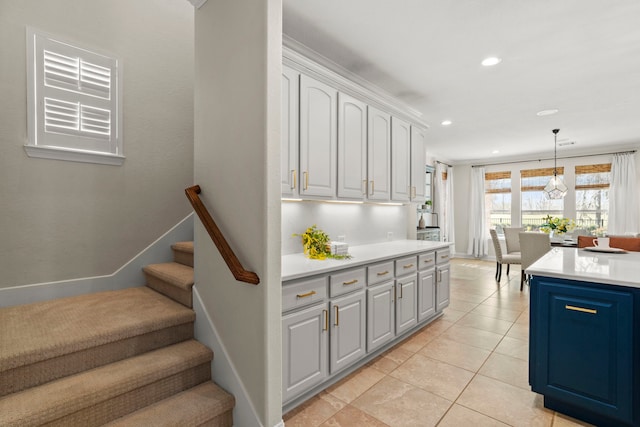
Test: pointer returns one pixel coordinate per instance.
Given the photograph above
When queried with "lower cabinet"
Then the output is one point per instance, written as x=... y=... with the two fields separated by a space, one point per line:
x=347 y=330
x=381 y=317
x=305 y=339
x=334 y=320
x=584 y=350
x=426 y=294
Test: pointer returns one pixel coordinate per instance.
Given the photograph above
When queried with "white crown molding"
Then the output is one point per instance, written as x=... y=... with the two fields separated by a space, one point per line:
x=302 y=58
x=197 y=3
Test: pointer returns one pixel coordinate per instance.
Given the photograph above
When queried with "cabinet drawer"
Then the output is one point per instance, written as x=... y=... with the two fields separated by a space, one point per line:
x=302 y=294
x=342 y=283
x=406 y=266
x=442 y=256
x=426 y=261
x=378 y=273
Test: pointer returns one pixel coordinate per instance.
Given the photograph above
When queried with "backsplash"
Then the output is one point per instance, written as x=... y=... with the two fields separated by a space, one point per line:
x=359 y=223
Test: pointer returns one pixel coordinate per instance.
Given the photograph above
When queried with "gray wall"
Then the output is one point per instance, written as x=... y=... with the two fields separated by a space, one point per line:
x=237 y=158
x=61 y=220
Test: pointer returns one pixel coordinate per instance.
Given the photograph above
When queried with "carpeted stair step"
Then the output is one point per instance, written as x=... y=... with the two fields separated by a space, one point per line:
x=49 y=340
x=103 y=394
x=183 y=253
x=172 y=279
x=203 y=405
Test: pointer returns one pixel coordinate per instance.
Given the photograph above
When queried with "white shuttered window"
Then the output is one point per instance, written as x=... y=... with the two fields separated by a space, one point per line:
x=74 y=102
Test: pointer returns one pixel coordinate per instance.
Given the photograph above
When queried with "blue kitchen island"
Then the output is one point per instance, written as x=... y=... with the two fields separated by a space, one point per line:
x=584 y=342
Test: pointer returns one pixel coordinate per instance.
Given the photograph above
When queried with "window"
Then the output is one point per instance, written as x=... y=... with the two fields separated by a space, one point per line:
x=74 y=101
x=592 y=197
x=535 y=205
x=497 y=200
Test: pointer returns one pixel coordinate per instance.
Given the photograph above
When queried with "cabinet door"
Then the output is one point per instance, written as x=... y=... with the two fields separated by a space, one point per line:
x=289 y=132
x=352 y=147
x=379 y=155
x=304 y=350
x=418 y=160
x=442 y=286
x=583 y=345
x=400 y=160
x=318 y=138
x=406 y=306
x=380 y=315
x=348 y=317
x=426 y=294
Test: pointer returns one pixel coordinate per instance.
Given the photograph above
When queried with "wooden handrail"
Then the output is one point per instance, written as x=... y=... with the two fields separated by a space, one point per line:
x=227 y=253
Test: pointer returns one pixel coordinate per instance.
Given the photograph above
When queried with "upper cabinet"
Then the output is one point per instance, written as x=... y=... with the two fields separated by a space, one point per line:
x=318 y=138
x=400 y=160
x=289 y=132
x=352 y=148
x=379 y=155
x=418 y=160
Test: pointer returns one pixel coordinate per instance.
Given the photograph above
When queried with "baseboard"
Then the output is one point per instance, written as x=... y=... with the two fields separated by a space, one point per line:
x=128 y=276
x=224 y=371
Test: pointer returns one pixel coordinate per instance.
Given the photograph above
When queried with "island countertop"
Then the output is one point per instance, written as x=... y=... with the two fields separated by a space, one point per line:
x=295 y=266
x=621 y=269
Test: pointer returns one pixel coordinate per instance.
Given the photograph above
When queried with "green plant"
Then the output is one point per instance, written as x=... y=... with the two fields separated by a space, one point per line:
x=315 y=244
x=557 y=225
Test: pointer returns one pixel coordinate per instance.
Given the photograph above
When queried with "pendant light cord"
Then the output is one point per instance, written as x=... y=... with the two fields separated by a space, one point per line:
x=555 y=151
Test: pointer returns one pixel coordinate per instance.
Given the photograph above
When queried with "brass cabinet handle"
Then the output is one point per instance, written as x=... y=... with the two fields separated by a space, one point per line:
x=350 y=282
x=293 y=173
x=306 y=180
x=308 y=294
x=400 y=290
x=428 y=260
x=581 y=309
x=444 y=256
x=408 y=265
x=337 y=322
x=439 y=279
x=382 y=273
x=372 y=189
x=394 y=293
x=364 y=186
x=325 y=313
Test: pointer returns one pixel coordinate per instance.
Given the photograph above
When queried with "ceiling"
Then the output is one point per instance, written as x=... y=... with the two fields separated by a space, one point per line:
x=581 y=57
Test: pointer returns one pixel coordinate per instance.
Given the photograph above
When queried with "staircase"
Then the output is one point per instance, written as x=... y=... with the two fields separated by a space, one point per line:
x=118 y=358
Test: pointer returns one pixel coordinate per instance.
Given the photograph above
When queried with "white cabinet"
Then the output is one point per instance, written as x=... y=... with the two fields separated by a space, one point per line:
x=443 y=268
x=352 y=147
x=418 y=159
x=379 y=155
x=348 y=329
x=380 y=315
x=289 y=132
x=305 y=343
x=406 y=303
x=318 y=138
x=400 y=160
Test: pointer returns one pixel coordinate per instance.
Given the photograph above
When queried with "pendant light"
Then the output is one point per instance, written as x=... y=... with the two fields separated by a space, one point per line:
x=555 y=189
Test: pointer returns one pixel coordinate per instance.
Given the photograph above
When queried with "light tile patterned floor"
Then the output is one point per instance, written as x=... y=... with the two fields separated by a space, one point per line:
x=468 y=368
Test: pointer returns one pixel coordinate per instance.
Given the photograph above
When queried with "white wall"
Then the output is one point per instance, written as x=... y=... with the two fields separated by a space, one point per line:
x=64 y=220
x=238 y=45
x=360 y=224
x=461 y=185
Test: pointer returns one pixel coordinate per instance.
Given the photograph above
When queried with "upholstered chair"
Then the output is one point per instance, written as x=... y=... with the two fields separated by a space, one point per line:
x=502 y=258
x=532 y=247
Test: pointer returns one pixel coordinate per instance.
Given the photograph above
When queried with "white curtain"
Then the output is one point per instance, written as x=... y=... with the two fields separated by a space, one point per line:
x=477 y=225
x=444 y=201
x=623 y=196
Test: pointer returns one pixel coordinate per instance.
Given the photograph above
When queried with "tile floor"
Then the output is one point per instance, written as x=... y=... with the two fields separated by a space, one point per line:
x=468 y=368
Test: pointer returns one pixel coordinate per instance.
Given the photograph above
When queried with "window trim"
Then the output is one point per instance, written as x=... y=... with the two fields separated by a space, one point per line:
x=40 y=149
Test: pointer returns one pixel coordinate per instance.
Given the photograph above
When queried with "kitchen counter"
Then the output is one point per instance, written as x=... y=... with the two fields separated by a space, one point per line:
x=620 y=269
x=295 y=266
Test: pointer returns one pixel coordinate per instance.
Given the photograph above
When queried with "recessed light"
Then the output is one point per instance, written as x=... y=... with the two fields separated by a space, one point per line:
x=547 y=112
x=495 y=151
x=491 y=61
x=446 y=122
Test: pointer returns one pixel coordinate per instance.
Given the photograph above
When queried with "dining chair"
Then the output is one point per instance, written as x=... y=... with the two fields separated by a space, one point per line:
x=500 y=257
x=532 y=246
x=512 y=239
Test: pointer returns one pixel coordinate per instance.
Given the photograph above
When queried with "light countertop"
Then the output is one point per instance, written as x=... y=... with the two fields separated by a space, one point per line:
x=621 y=269
x=295 y=266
